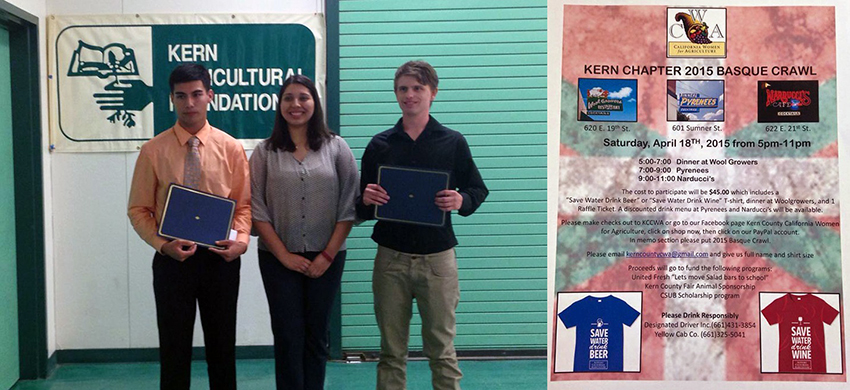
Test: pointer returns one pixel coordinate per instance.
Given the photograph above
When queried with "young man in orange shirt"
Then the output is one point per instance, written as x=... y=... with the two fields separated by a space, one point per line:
x=185 y=275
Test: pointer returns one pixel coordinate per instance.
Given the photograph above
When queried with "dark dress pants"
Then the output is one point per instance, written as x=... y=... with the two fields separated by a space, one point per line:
x=205 y=280
x=300 y=309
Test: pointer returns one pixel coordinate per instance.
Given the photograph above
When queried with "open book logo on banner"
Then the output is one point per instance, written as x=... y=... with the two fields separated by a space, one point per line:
x=105 y=92
x=126 y=93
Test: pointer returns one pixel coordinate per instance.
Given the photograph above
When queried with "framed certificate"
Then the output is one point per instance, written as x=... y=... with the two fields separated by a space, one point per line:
x=196 y=216
x=412 y=192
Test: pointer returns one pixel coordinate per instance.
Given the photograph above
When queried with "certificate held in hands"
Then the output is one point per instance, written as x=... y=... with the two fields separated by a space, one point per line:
x=412 y=193
x=196 y=216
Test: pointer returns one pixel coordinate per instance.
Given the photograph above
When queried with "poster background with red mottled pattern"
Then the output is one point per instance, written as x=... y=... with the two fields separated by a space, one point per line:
x=603 y=201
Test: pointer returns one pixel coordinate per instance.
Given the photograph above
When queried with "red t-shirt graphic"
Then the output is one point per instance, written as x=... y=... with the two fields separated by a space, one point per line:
x=801 y=342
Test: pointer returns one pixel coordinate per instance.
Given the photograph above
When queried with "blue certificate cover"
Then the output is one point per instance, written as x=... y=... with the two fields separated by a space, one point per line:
x=412 y=192
x=196 y=216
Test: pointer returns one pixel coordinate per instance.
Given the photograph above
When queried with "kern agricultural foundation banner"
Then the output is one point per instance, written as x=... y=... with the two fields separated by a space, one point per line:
x=108 y=75
x=698 y=227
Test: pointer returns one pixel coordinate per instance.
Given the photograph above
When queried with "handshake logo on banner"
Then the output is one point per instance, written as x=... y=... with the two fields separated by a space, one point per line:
x=105 y=97
x=124 y=95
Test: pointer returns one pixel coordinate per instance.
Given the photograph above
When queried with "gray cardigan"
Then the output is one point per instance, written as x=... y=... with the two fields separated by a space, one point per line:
x=303 y=200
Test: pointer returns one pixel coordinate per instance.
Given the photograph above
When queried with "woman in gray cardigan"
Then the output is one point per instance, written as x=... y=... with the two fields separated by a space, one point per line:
x=303 y=185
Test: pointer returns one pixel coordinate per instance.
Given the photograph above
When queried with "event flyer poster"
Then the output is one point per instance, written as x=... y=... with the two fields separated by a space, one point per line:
x=698 y=214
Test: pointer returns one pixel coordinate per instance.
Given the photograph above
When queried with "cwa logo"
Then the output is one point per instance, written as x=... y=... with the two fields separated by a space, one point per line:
x=696 y=32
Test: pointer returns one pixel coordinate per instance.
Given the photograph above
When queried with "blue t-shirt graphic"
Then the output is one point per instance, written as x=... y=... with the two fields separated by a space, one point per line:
x=599 y=331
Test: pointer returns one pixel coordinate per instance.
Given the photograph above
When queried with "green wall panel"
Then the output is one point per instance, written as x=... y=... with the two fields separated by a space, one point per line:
x=506 y=6
x=518 y=80
x=491 y=71
x=422 y=51
x=450 y=107
x=535 y=14
x=9 y=357
x=421 y=38
x=479 y=27
x=491 y=60
x=462 y=95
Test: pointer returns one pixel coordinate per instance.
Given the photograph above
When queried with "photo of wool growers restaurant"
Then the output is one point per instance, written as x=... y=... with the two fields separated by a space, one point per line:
x=607 y=100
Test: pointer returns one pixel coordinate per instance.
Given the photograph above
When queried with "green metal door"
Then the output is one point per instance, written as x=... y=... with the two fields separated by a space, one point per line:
x=9 y=360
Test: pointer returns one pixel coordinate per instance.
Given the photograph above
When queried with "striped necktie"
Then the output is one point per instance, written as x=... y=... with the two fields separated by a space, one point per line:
x=192 y=169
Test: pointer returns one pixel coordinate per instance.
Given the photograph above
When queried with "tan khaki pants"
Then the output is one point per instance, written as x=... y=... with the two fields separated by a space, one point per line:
x=432 y=280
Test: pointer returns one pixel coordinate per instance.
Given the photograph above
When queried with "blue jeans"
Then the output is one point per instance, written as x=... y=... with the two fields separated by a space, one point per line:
x=300 y=309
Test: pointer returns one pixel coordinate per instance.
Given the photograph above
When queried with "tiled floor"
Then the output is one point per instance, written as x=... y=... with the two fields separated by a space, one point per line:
x=259 y=374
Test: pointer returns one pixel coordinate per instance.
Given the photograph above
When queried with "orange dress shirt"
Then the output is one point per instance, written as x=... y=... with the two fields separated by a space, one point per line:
x=224 y=172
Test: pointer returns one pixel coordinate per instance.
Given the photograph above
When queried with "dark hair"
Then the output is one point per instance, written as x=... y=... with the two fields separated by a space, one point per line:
x=317 y=130
x=188 y=72
x=422 y=71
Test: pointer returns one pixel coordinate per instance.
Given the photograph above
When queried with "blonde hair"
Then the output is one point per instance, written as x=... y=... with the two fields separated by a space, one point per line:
x=422 y=71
